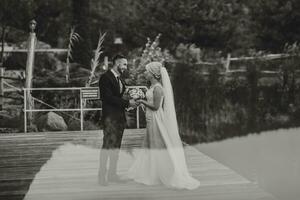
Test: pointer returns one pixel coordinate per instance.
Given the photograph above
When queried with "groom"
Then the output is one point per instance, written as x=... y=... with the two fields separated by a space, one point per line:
x=112 y=88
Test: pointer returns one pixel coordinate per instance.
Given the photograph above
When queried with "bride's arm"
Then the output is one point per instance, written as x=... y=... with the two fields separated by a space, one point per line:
x=157 y=95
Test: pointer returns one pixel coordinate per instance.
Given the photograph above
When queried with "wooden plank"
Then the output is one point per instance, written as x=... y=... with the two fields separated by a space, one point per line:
x=65 y=166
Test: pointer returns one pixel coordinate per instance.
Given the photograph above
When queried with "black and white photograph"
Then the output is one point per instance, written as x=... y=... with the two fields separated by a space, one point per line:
x=149 y=100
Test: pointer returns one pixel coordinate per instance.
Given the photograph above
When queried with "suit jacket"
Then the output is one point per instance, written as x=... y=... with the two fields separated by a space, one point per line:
x=113 y=105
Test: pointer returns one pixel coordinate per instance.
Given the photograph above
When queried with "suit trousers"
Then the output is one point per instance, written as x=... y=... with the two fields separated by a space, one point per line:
x=113 y=130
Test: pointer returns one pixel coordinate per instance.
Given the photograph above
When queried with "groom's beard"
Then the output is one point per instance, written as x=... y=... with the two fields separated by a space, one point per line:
x=121 y=71
x=124 y=74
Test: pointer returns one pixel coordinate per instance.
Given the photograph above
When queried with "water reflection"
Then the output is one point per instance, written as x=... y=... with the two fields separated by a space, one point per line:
x=272 y=159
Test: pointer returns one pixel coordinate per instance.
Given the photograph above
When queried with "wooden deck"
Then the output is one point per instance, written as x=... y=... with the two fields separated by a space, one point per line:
x=65 y=165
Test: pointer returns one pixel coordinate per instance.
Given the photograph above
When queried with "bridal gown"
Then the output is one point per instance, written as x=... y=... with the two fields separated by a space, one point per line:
x=158 y=160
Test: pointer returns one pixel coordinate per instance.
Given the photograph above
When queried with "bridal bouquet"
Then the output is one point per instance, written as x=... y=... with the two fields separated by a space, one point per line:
x=136 y=94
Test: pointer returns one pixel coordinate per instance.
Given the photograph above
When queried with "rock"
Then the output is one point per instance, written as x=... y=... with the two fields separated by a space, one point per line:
x=51 y=122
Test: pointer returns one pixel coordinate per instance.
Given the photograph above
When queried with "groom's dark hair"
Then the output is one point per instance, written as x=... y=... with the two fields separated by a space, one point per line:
x=117 y=57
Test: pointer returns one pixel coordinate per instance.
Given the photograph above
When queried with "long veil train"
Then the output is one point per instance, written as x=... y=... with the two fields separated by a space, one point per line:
x=173 y=141
x=167 y=164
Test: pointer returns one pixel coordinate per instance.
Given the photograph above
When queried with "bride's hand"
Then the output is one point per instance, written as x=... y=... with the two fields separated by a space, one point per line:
x=140 y=101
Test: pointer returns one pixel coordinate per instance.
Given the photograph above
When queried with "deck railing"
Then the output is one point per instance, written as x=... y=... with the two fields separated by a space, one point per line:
x=85 y=94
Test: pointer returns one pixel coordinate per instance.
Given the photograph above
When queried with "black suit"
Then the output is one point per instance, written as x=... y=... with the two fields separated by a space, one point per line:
x=114 y=121
x=113 y=106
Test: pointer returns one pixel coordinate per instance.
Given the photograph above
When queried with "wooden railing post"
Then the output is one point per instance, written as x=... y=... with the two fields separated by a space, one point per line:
x=227 y=63
x=29 y=67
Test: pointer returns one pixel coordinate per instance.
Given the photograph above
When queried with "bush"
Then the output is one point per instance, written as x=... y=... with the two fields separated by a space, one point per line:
x=212 y=107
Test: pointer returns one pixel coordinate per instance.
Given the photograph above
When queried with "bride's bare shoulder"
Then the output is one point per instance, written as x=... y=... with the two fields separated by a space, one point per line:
x=158 y=89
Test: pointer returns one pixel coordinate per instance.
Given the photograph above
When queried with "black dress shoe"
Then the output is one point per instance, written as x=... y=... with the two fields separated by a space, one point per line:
x=116 y=179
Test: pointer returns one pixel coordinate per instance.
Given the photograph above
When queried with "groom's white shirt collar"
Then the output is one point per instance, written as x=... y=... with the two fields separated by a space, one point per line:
x=115 y=73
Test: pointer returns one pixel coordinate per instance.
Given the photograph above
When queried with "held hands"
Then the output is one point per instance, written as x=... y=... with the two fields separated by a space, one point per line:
x=135 y=95
x=133 y=103
x=140 y=101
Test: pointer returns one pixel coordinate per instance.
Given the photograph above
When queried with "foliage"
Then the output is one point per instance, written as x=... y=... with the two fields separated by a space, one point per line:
x=81 y=19
x=74 y=37
x=210 y=24
x=276 y=23
x=95 y=60
x=151 y=52
x=15 y=13
x=226 y=26
x=218 y=107
x=215 y=107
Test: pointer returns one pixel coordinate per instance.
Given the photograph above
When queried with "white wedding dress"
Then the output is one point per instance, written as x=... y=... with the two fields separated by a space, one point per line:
x=161 y=158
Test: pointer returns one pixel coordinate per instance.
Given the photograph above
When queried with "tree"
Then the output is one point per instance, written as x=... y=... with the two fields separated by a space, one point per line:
x=52 y=16
x=13 y=14
x=81 y=20
x=228 y=26
x=53 y=20
x=276 y=23
x=221 y=25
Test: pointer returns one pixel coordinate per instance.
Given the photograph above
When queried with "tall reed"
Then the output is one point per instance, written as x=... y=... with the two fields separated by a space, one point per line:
x=73 y=37
x=96 y=59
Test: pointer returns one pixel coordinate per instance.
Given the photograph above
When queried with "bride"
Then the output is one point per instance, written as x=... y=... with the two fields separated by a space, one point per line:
x=161 y=159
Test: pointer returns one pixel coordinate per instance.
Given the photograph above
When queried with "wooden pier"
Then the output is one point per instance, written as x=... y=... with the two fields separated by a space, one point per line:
x=48 y=166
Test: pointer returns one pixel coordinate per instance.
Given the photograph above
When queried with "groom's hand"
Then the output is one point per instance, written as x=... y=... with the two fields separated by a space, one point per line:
x=133 y=103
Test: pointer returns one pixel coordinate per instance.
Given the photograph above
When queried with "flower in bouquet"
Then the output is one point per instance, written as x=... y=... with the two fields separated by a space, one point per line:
x=136 y=94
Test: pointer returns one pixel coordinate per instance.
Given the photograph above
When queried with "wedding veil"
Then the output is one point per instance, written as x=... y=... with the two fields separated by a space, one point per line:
x=169 y=109
x=175 y=147
x=169 y=130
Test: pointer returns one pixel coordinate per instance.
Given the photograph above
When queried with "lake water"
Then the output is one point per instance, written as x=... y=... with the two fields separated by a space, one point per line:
x=272 y=159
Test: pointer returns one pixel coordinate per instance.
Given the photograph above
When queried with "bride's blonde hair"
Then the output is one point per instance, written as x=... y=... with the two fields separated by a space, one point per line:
x=155 y=69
